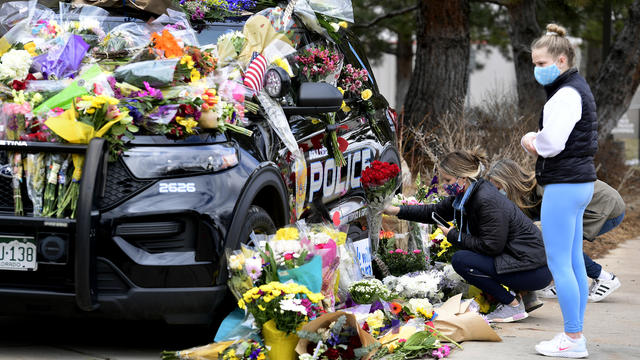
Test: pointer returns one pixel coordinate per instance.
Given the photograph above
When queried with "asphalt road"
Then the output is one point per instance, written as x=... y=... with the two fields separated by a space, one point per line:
x=47 y=338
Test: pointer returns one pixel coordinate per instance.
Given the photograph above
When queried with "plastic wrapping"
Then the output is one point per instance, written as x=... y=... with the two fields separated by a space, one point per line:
x=157 y=73
x=13 y=12
x=62 y=62
x=85 y=21
x=177 y=24
x=349 y=268
x=123 y=40
x=35 y=172
x=340 y=9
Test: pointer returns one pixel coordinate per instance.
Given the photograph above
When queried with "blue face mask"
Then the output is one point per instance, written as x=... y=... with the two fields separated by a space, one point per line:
x=453 y=189
x=503 y=192
x=546 y=75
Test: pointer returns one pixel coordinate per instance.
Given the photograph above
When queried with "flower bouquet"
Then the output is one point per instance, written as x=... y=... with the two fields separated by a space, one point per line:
x=379 y=181
x=400 y=262
x=335 y=336
x=323 y=64
x=280 y=310
x=424 y=344
x=367 y=291
x=216 y=10
x=15 y=118
x=241 y=278
x=206 y=352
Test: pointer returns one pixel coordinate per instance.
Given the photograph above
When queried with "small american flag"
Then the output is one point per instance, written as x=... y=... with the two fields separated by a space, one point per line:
x=255 y=73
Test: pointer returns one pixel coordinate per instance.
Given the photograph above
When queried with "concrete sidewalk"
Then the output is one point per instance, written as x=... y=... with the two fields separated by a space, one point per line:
x=612 y=326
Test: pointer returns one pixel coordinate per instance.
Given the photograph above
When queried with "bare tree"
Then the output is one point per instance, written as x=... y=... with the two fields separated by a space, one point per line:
x=441 y=75
x=619 y=75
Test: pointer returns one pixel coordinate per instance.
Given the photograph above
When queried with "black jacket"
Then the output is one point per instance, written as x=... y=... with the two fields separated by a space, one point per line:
x=574 y=164
x=497 y=228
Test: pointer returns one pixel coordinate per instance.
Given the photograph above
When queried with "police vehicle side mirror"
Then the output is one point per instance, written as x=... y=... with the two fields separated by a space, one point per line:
x=315 y=98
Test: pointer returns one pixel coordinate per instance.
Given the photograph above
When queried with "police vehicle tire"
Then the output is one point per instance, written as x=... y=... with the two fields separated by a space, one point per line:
x=259 y=221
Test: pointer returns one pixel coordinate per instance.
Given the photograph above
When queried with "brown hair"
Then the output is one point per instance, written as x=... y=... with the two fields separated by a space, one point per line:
x=518 y=183
x=465 y=163
x=556 y=43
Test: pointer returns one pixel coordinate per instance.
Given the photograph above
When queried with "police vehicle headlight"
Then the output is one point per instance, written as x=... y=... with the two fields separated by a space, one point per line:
x=149 y=162
x=277 y=82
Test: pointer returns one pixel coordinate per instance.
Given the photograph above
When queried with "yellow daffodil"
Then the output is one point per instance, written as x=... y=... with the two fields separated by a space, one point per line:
x=241 y=304
x=366 y=94
x=31 y=48
x=188 y=123
x=345 y=108
x=343 y=24
x=195 y=75
x=187 y=59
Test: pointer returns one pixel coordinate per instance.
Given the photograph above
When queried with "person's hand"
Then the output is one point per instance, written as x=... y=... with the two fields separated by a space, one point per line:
x=445 y=230
x=527 y=143
x=391 y=210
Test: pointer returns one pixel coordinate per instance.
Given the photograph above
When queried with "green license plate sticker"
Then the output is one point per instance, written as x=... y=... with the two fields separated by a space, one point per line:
x=18 y=253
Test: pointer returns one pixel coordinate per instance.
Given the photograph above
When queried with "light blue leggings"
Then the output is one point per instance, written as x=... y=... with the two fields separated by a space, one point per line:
x=561 y=217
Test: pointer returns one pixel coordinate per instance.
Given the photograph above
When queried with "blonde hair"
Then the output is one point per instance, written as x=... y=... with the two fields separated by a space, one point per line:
x=518 y=183
x=465 y=163
x=556 y=43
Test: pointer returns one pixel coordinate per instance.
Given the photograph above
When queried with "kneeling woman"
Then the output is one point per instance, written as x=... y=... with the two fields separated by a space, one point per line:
x=500 y=244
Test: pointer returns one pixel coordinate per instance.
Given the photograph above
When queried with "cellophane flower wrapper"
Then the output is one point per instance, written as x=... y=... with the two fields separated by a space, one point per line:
x=62 y=62
x=14 y=117
x=54 y=165
x=157 y=73
x=123 y=40
x=85 y=21
x=378 y=197
x=340 y=9
x=13 y=12
x=239 y=281
x=323 y=240
x=35 y=172
x=177 y=24
x=349 y=269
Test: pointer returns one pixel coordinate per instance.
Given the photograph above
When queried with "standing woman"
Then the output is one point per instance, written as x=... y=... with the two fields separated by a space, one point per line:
x=565 y=145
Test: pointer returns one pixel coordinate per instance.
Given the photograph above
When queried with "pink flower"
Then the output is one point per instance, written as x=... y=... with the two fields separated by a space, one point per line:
x=402 y=341
x=288 y=256
x=399 y=251
x=390 y=251
x=416 y=251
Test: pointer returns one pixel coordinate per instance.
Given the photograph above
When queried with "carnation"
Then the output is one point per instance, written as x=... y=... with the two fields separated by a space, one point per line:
x=15 y=64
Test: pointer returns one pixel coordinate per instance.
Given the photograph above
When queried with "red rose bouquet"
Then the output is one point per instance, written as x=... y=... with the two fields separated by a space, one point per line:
x=379 y=181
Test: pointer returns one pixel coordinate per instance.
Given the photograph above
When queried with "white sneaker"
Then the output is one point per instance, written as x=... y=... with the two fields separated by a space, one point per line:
x=600 y=289
x=563 y=346
x=549 y=292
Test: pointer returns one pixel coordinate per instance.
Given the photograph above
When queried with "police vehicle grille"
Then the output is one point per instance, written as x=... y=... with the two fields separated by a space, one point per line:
x=120 y=186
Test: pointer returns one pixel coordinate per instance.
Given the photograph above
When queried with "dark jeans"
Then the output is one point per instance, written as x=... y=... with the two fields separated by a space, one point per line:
x=593 y=268
x=479 y=270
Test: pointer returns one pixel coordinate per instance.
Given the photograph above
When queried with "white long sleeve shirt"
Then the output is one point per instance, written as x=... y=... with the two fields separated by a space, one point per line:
x=561 y=113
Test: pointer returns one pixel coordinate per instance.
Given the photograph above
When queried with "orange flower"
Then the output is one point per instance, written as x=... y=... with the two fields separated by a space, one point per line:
x=166 y=45
x=395 y=308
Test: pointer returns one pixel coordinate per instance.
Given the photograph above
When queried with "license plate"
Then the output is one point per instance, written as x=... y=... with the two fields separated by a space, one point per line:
x=18 y=253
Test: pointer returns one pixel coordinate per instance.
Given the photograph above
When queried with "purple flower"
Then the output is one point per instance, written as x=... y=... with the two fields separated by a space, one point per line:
x=377 y=305
x=434 y=181
x=255 y=353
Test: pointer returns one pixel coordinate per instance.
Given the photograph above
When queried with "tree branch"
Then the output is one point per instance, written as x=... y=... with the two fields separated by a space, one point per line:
x=387 y=16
